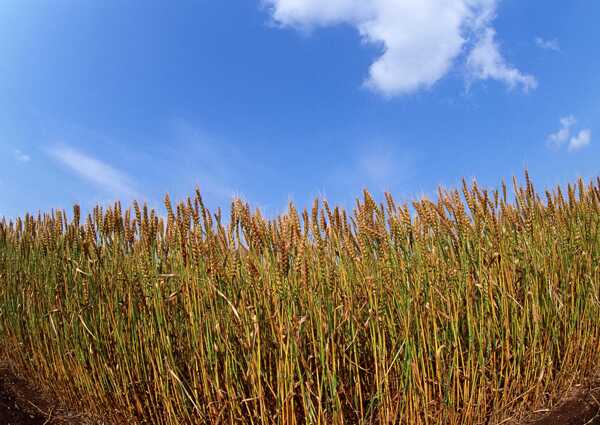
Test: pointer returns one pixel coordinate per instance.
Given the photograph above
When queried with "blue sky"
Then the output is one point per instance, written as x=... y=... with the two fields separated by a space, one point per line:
x=280 y=100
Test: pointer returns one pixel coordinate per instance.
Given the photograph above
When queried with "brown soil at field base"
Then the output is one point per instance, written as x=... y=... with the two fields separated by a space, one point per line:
x=580 y=406
x=20 y=404
x=13 y=396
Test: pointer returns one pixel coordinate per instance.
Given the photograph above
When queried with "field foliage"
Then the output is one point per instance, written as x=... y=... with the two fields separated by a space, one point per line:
x=469 y=309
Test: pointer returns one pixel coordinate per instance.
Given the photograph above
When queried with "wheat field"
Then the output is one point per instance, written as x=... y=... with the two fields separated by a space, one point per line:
x=475 y=308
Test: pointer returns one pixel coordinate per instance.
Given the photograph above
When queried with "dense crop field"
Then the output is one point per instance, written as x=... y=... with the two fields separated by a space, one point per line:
x=471 y=309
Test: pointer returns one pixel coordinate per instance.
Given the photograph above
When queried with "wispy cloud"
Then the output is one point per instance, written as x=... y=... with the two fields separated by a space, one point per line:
x=420 y=41
x=22 y=157
x=581 y=140
x=547 y=44
x=95 y=171
x=485 y=62
x=378 y=165
x=565 y=133
x=213 y=163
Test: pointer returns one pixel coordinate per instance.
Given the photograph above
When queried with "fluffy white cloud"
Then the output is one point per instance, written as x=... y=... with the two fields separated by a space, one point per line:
x=563 y=134
x=486 y=62
x=582 y=139
x=95 y=171
x=566 y=133
x=547 y=44
x=420 y=39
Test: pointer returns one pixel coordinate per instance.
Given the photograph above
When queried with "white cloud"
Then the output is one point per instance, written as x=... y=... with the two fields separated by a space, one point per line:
x=420 y=39
x=563 y=134
x=95 y=171
x=547 y=44
x=485 y=62
x=22 y=157
x=582 y=139
x=566 y=133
